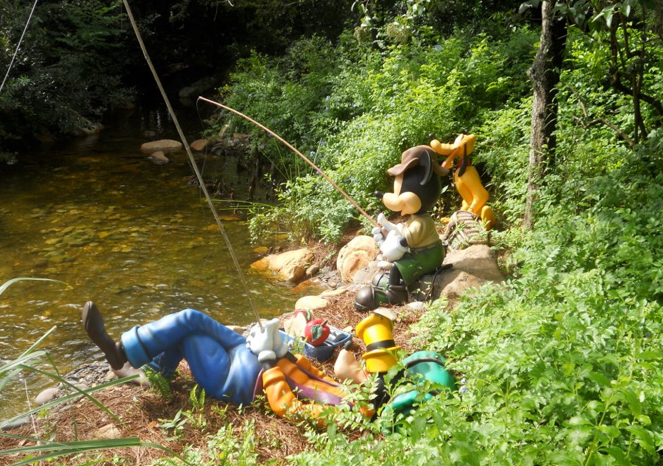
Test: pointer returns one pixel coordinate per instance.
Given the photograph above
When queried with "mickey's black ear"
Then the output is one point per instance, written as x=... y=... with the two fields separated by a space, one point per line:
x=426 y=161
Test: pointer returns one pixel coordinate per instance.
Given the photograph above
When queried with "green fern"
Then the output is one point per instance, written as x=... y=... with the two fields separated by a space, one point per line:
x=158 y=383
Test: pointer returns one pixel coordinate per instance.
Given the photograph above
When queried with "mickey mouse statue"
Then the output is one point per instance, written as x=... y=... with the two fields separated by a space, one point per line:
x=413 y=247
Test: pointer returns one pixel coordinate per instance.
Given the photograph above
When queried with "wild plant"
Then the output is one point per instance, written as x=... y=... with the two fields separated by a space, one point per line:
x=43 y=449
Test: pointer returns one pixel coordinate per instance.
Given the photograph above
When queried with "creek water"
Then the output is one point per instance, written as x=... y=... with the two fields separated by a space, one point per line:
x=135 y=237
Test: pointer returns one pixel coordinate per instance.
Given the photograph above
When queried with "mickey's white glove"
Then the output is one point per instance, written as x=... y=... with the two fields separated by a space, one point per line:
x=267 y=343
x=391 y=248
x=377 y=232
x=387 y=225
x=377 y=235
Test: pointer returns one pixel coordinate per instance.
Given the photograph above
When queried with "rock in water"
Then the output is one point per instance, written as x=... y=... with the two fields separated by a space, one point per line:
x=159 y=158
x=163 y=145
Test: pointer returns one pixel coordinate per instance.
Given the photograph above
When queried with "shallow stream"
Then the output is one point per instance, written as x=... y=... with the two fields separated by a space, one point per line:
x=135 y=237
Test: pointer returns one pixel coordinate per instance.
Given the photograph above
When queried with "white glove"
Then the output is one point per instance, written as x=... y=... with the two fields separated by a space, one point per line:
x=377 y=232
x=377 y=235
x=267 y=343
x=391 y=248
x=387 y=225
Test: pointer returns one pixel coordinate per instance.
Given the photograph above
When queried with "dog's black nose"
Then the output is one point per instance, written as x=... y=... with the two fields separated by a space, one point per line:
x=378 y=194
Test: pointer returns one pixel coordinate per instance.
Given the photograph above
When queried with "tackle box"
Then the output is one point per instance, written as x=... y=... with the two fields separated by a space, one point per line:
x=337 y=338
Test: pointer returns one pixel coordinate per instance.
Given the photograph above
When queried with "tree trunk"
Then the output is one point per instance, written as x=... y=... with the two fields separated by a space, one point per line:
x=544 y=74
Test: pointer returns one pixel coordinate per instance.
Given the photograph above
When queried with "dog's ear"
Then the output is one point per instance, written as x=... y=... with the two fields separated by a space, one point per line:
x=426 y=161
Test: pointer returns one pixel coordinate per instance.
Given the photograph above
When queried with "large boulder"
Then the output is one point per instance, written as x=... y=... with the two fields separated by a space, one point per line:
x=290 y=266
x=356 y=255
x=467 y=268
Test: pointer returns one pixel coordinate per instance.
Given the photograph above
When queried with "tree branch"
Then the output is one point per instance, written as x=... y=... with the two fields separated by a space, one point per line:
x=621 y=87
x=585 y=124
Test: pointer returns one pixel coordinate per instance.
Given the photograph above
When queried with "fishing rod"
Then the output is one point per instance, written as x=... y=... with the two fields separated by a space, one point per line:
x=18 y=46
x=201 y=182
x=302 y=156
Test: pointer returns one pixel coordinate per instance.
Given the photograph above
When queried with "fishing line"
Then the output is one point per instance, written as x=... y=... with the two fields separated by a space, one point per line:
x=193 y=163
x=337 y=187
x=11 y=63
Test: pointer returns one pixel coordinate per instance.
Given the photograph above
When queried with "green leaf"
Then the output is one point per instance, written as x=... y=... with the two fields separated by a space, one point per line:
x=650 y=355
x=610 y=431
x=633 y=402
x=617 y=454
x=599 y=378
x=565 y=458
x=643 y=437
x=627 y=9
x=57 y=449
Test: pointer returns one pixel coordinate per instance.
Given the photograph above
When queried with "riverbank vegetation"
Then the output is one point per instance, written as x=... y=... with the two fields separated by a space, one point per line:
x=563 y=364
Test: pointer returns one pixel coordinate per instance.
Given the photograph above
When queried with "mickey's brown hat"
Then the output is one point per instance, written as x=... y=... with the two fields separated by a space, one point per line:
x=410 y=158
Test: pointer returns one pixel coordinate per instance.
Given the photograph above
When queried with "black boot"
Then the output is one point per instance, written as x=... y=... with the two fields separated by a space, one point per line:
x=371 y=297
x=365 y=299
x=94 y=327
x=397 y=294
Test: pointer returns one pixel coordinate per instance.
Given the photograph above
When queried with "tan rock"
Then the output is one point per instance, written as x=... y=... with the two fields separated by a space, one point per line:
x=158 y=157
x=336 y=292
x=295 y=325
x=199 y=145
x=91 y=129
x=306 y=284
x=47 y=395
x=312 y=270
x=290 y=266
x=312 y=303
x=385 y=312
x=356 y=255
x=472 y=268
x=261 y=265
x=365 y=275
x=164 y=145
x=478 y=260
x=237 y=329
x=109 y=431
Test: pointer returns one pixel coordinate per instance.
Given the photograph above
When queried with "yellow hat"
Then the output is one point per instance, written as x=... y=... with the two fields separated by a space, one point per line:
x=376 y=331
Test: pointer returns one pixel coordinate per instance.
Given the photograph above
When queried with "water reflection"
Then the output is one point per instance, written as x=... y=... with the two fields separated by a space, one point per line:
x=135 y=237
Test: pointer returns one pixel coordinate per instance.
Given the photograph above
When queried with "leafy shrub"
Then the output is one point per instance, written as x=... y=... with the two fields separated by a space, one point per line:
x=561 y=364
x=366 y=107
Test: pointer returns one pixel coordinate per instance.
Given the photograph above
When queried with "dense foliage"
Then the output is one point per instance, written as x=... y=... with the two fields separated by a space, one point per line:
x=562 y=363
x=67 y=71
x=354 y=109
x=79 y=59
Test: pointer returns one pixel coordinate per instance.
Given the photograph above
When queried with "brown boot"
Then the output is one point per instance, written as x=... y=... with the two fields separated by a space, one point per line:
x=94 y=327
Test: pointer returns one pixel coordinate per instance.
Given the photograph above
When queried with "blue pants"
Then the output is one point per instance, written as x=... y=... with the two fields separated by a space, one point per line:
x=218 y=357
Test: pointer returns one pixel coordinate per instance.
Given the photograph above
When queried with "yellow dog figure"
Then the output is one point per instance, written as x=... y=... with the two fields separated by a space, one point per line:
x=466 y=177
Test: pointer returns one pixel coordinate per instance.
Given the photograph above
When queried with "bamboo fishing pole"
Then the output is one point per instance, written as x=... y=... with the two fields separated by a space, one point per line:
x=201 y=182
x=302 y=156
